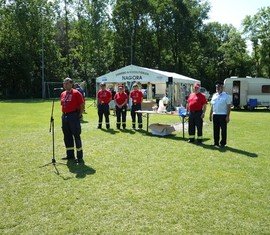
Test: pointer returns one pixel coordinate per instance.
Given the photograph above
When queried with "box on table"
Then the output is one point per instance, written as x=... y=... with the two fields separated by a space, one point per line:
x=147 y=105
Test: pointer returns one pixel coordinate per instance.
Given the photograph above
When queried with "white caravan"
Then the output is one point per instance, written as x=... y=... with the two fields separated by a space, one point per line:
x=248 y=92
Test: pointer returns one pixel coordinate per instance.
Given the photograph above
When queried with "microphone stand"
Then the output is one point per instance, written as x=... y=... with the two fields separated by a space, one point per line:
x=51 y=130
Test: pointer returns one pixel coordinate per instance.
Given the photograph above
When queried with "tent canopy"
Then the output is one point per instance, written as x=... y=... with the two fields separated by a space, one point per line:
x=133 y=73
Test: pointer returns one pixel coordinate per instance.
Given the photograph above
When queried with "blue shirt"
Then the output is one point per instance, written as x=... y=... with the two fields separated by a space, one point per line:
x=220 y=103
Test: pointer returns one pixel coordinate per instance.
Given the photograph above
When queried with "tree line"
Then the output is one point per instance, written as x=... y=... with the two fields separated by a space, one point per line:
x=46 y=40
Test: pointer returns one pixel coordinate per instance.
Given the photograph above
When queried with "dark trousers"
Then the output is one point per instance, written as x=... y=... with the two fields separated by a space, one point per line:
x=134 y=108
x=121 y=113
x=71 y=128
x=103 y=109
x=195 y=121
x=220 y=125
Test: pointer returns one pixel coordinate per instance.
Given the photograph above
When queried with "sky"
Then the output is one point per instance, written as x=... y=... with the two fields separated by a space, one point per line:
x=234 y=11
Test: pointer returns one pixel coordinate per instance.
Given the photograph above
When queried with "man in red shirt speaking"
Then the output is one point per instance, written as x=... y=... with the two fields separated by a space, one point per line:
x=72 y=103
x=196 y=106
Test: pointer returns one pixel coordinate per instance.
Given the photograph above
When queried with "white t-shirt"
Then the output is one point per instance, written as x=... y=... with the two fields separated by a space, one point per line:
x=220 y=103
x=165 y=100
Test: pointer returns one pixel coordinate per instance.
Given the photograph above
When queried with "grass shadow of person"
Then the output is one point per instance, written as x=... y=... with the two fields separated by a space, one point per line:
x=83 y=121
x=110 y=131
x=227 y=148
x=129 y=131
x=81 y=170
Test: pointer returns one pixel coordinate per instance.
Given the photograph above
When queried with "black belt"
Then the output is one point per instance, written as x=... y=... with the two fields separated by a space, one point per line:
x=196 y=111
x=65 y=113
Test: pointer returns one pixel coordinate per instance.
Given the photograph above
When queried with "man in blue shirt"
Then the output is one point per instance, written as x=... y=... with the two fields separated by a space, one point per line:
x=220 y=114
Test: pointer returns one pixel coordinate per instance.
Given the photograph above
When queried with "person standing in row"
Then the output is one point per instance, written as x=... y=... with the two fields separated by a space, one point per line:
x=121 y=100
x=220 y=114
x=72 y=107
x=196 y=106
x=104 y=97
x=136 y=98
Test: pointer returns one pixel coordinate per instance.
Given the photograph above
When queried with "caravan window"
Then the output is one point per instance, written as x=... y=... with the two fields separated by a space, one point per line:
x=266 y=89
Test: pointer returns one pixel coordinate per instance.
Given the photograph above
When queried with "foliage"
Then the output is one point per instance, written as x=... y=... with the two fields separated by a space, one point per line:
x=257 y=29
x=85 y=39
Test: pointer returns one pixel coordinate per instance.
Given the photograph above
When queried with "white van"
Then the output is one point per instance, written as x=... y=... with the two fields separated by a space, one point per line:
x=205 y=92
x=248 y=92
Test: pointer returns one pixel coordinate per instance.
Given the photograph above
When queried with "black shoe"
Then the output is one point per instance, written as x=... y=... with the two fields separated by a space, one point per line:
x=98 y=127
x=190 y=141
x=79 y=161
x=222 y=146
x=68 y=158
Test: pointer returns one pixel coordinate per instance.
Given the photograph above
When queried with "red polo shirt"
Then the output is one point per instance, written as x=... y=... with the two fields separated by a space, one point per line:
x=71 y=101
x=120 y=98
x=104 y=96
x=136 y=96
x=196 y=102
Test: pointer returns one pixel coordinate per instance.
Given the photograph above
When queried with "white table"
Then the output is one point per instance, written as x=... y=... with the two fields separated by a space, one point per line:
x=148 y=112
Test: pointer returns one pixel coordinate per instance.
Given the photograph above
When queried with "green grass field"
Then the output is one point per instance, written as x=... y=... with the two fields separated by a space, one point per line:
x=132 y=182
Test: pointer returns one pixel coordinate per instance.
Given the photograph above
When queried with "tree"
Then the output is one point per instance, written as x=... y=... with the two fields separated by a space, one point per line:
x=257 y=29
x=221 y=53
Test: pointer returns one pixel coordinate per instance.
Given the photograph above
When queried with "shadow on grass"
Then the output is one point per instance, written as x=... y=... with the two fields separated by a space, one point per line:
x=83 y=121
x=80 y=170
x=110 y=131
x=256 y=110
x=227 y=148
x=129 y=131
x=171 y=136
x=25 y=101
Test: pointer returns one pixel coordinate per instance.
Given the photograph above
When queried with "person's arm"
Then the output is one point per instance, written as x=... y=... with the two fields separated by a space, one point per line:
x=187 y=107
x=110 y=96
x=211 y=114
x=82 y=107
x=228 y=113
x=116 y=103
x=97 y=98
x=126 y=100
x=204 y=110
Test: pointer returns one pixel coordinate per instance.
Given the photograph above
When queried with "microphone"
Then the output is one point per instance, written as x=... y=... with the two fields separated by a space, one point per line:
x=58 y=89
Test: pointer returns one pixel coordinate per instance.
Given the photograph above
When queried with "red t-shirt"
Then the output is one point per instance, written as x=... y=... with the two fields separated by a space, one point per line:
x=71 y=101
x=196 y=102
x=104 y=96
x=120 y=98
x=136 y=96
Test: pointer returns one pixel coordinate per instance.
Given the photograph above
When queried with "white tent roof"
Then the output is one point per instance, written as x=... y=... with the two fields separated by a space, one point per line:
x=133 y=73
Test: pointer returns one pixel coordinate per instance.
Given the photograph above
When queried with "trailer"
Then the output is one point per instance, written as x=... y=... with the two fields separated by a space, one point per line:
x=248 y=92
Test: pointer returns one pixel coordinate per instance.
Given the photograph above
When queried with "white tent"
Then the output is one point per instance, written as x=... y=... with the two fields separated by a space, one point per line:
x=132 y=73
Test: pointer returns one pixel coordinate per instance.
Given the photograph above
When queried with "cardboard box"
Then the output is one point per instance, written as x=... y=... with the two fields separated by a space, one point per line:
x=161 y=129
x=147 y=105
